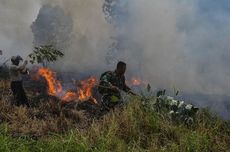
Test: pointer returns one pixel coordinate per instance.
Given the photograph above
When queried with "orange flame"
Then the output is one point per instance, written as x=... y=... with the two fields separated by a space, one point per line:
x=55 y=88
x=136 y=82
x=85 y=92
x=69 y=96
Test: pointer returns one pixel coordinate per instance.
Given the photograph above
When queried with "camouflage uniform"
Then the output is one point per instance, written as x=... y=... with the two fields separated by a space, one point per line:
x=110 y=97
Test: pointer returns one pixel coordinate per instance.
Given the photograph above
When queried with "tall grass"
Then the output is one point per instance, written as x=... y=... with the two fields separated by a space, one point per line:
x=134 y=127
x=130 y=129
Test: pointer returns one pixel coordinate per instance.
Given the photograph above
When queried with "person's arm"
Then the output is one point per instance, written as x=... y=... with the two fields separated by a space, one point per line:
x=21 y=68
x=25 y=71
x=127 y=89
x=105 y=82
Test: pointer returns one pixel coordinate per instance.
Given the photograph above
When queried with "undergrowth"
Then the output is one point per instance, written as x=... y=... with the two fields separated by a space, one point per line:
x=134 y=127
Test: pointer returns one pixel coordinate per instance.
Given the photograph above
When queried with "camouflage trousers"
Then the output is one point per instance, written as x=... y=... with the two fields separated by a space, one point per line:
x=110 y=101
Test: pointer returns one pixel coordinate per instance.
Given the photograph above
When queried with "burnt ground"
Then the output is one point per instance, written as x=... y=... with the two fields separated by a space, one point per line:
x=46 y=114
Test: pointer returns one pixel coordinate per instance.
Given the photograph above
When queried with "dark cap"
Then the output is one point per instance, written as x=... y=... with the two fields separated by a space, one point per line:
x=16 y=58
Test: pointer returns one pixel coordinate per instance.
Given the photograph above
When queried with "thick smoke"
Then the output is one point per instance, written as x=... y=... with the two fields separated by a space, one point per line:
x=15 y=20
x=182 y=44
x=177 y=44
x=90 y=35
x=52 y=27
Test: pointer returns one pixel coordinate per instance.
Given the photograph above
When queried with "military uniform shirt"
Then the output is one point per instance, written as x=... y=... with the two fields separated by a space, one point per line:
x=110 y=78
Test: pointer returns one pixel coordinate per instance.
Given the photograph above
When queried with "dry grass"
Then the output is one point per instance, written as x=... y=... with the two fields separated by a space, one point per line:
x=132 y=128
x=40 y=121
x=45 y=118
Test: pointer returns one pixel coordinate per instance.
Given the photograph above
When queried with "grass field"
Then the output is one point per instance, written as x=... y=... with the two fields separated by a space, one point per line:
x=135 y=127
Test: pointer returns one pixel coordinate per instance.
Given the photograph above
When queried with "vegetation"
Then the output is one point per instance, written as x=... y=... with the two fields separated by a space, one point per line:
x=47 y=127
x=46 y=53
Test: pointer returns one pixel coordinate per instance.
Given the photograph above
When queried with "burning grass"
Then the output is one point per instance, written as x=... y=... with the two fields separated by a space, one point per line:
x=48 y=127
x=84 y=89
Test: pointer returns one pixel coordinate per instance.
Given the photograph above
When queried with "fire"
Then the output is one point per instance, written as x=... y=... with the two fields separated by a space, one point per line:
x=136 y=82
x=69 y=96
x=55 y=88
x=85 y=91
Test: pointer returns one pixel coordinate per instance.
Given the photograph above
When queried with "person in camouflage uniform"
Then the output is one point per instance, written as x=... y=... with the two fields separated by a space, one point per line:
x=111 y=83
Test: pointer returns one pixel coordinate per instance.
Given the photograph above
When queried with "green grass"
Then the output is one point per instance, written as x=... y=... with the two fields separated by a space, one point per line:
x=133 y=128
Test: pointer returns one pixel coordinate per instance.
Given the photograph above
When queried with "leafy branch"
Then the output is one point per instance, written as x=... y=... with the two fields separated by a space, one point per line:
x=45 y=53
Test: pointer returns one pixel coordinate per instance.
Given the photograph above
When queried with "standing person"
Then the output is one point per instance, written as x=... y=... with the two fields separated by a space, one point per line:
x=0 y=59
x=16 y=72
x=111 y=82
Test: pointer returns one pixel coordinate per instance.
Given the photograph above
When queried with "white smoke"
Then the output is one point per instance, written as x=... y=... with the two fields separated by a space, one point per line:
x=172 y=44
x=176 y=47
x=15 y=20
x=91 y=34
x=168 y=43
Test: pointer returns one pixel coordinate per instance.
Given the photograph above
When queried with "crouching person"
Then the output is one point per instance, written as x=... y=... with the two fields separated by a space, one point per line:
x=16 y=72
x=111 y=82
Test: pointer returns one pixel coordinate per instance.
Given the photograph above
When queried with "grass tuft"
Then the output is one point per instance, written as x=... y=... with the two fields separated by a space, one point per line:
x=134 y=127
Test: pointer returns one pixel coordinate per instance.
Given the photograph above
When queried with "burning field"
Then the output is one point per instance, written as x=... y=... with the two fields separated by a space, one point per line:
x=55 y=105
x=65 y=47
x=54 y=108
x=83 y=89
x=49 y=126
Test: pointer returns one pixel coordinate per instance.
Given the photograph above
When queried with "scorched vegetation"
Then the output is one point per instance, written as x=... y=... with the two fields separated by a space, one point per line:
x=46 y=126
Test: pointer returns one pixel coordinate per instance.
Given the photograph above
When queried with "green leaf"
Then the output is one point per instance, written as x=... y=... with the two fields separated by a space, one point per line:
x=45 y=53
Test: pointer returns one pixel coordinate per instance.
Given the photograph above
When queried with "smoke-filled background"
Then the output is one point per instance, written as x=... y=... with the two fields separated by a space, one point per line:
x=181 y=44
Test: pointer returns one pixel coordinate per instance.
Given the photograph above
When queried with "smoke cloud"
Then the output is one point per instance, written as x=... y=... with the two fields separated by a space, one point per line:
x=174 y=47
x=15 y=20
x=90 y=34
x=182 y=44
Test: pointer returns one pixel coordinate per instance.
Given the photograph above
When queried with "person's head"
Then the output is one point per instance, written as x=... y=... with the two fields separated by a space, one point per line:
x=16 y=60
x=121 y=68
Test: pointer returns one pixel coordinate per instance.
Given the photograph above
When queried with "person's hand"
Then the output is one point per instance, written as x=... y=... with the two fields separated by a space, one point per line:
x=25 y=71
